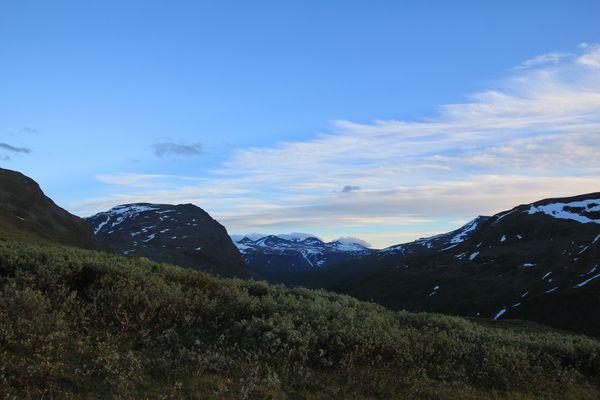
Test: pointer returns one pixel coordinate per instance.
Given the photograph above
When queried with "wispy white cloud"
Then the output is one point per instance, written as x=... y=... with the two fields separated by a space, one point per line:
x=535 y=134
x=591 y=58
x=549 y=58
x=140 y=180
x=130 y=179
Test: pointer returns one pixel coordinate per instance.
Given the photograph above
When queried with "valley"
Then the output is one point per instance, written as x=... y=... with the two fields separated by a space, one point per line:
x=159 y=299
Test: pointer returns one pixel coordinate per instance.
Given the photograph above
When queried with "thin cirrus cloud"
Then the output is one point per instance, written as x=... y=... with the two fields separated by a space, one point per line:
x=533 y=135
x=549 y=58
x=591 y=59
x=128 y=179
x=164 y=149
x=27 y=129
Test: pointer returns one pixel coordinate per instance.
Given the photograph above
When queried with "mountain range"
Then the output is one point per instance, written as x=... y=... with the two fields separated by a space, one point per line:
x=275 y=257
x=537 y=262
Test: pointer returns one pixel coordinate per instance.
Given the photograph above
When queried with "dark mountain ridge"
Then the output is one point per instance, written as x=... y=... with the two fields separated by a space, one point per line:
x=26 y=213
x=181 y=234
x=537 y=261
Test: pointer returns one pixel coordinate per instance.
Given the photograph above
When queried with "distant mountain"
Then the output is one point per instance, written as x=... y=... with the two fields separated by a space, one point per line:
x=181 y=234
x=275 y=257
x=538 y=261
x=26 y=213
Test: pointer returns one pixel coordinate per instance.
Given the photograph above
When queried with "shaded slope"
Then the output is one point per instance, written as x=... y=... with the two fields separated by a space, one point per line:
x=26 y=213
x=181 y=234
x=528 y=262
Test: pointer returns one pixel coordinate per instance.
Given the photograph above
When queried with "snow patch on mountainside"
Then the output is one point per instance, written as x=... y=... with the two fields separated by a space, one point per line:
x=347 y=246
x=499 y=217
x=116 y=215
x=100 y=225
x=464 y=231
x=129 y=209
x=581 y=284
x=500 y=313
x=546 y=275
x=434 y=291
x=398 y=248
x=574 y=210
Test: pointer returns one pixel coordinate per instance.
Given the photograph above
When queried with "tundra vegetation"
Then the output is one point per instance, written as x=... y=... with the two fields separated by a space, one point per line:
x=85 y=324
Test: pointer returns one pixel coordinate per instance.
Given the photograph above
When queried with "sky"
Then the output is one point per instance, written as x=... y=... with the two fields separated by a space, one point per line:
x=382 y=120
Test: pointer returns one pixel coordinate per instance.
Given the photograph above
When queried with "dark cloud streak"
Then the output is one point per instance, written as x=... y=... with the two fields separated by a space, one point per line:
x=27 y=129
x=348 y=188
x=8 y=147
x=163 y=149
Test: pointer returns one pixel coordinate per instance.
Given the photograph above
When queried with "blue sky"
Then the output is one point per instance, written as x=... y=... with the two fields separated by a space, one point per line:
x=263 y=112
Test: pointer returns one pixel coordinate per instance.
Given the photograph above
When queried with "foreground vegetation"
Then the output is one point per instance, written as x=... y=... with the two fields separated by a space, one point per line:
x=84 y=324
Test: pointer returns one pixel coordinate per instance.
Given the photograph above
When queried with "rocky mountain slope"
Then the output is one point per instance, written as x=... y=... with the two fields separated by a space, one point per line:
x=441 y=242
x=537 y=261
x=181 y=234
x=27 y=213
x=275 y=257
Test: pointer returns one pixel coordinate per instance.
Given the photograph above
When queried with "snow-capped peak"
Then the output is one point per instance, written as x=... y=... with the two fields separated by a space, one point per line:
x=130 y=209
x=347 y=246
x=312 y=244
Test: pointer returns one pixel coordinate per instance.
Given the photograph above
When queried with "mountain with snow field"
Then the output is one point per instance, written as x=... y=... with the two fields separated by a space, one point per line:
x=181 y=234
x=538 y=261
x=275 y=257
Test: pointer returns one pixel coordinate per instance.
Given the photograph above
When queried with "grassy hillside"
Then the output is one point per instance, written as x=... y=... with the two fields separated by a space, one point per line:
x=84 y=324
x=27 y=214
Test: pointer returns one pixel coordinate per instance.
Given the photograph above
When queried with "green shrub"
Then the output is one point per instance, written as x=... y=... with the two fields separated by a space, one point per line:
x=83 y=324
